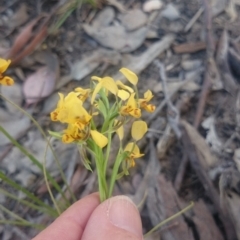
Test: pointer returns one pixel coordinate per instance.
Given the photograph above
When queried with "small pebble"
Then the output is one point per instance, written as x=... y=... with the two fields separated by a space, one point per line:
x=188 y=65
x=171 y=12
x=152 y=5
x=134 y=19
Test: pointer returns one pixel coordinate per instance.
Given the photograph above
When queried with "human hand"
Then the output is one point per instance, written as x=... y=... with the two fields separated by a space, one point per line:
x=116 y=218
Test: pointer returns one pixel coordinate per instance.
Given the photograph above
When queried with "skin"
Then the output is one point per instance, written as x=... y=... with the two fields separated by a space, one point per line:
x=88 y=219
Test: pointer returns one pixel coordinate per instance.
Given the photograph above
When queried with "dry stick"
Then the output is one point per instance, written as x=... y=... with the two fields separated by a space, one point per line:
x=173 y=113
x=202 y=175
x=193 y=20
x=205 y=89
x=191 y=151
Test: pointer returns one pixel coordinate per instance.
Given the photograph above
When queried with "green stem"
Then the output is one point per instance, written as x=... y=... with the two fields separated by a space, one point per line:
x=20 y=188
x=116 y=166
x=99 y=160
x=42 y=209
x=169 y=219
x=108 y=150
x=25 y=224
x=34 y=160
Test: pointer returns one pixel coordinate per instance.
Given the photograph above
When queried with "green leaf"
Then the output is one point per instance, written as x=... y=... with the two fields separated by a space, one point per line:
x=86 y=162
x=102 y=108
x=104 y=98
x=55 y=134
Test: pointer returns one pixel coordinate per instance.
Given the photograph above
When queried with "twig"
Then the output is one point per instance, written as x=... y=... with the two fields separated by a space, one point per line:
x=210 y=46
x=171 y=95
x=173 y=113
x=193 y=20
x=209 y=65
x=181 y=172
x=191 y=151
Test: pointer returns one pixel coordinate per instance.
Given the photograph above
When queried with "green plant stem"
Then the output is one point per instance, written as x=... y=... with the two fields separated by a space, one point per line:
x=116 y=166
x=20 y=188
x=14 y=215
x=106 y=159
x=98 y=156
x=24 y=224
x=169 y=219
x=34 y=160
x=51 y=212
x=47 y=184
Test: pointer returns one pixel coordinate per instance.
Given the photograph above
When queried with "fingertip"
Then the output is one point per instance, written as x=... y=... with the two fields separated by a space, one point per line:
x=116 y=218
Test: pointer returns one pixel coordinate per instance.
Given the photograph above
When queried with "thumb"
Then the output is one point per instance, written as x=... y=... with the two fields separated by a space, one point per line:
x=116 y=218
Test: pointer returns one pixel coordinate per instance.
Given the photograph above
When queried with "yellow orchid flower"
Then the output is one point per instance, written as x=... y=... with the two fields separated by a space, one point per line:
x=131 y=108
x=143 y=102
x=131 y=76
x=72 y=133
x=83 y=93
x=107 y=82
x=99 y=138
x=139 y=128
x=5 y=80
x=70 y=110
x=134 y=153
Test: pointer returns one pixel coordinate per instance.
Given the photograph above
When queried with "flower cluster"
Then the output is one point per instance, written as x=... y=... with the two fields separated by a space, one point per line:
x=5 y=80
x=82 y=127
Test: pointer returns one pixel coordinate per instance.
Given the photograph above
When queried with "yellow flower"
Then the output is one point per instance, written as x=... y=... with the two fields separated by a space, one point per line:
x=83 y=93
x=131 y=108
x=99 y=138
x=70 y=110
x=72 y=133
x=108 y=83
x=139 y=128
x=5 y=80
x=134 y=153
x=131 y=76
x=143 y=102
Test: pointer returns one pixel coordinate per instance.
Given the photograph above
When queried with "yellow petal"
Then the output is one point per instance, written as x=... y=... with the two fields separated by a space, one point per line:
x=7 y=81
x=136 y=112
x=99 y=138
x=131 y=76
x=83 y=93
x=95 y=92
x=110 y=85
x=123 y=86
x=124 y=95
x=96 y=78
x=132 y=101
x=134 y=150
x=129 y=147
x=54 y=115
x=66 y=138
x=148 y=95
x=150 y=108
x=4 y=64
x=139 y=128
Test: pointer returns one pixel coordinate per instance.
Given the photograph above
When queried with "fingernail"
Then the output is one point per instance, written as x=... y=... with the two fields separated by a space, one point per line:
x=124 y=214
